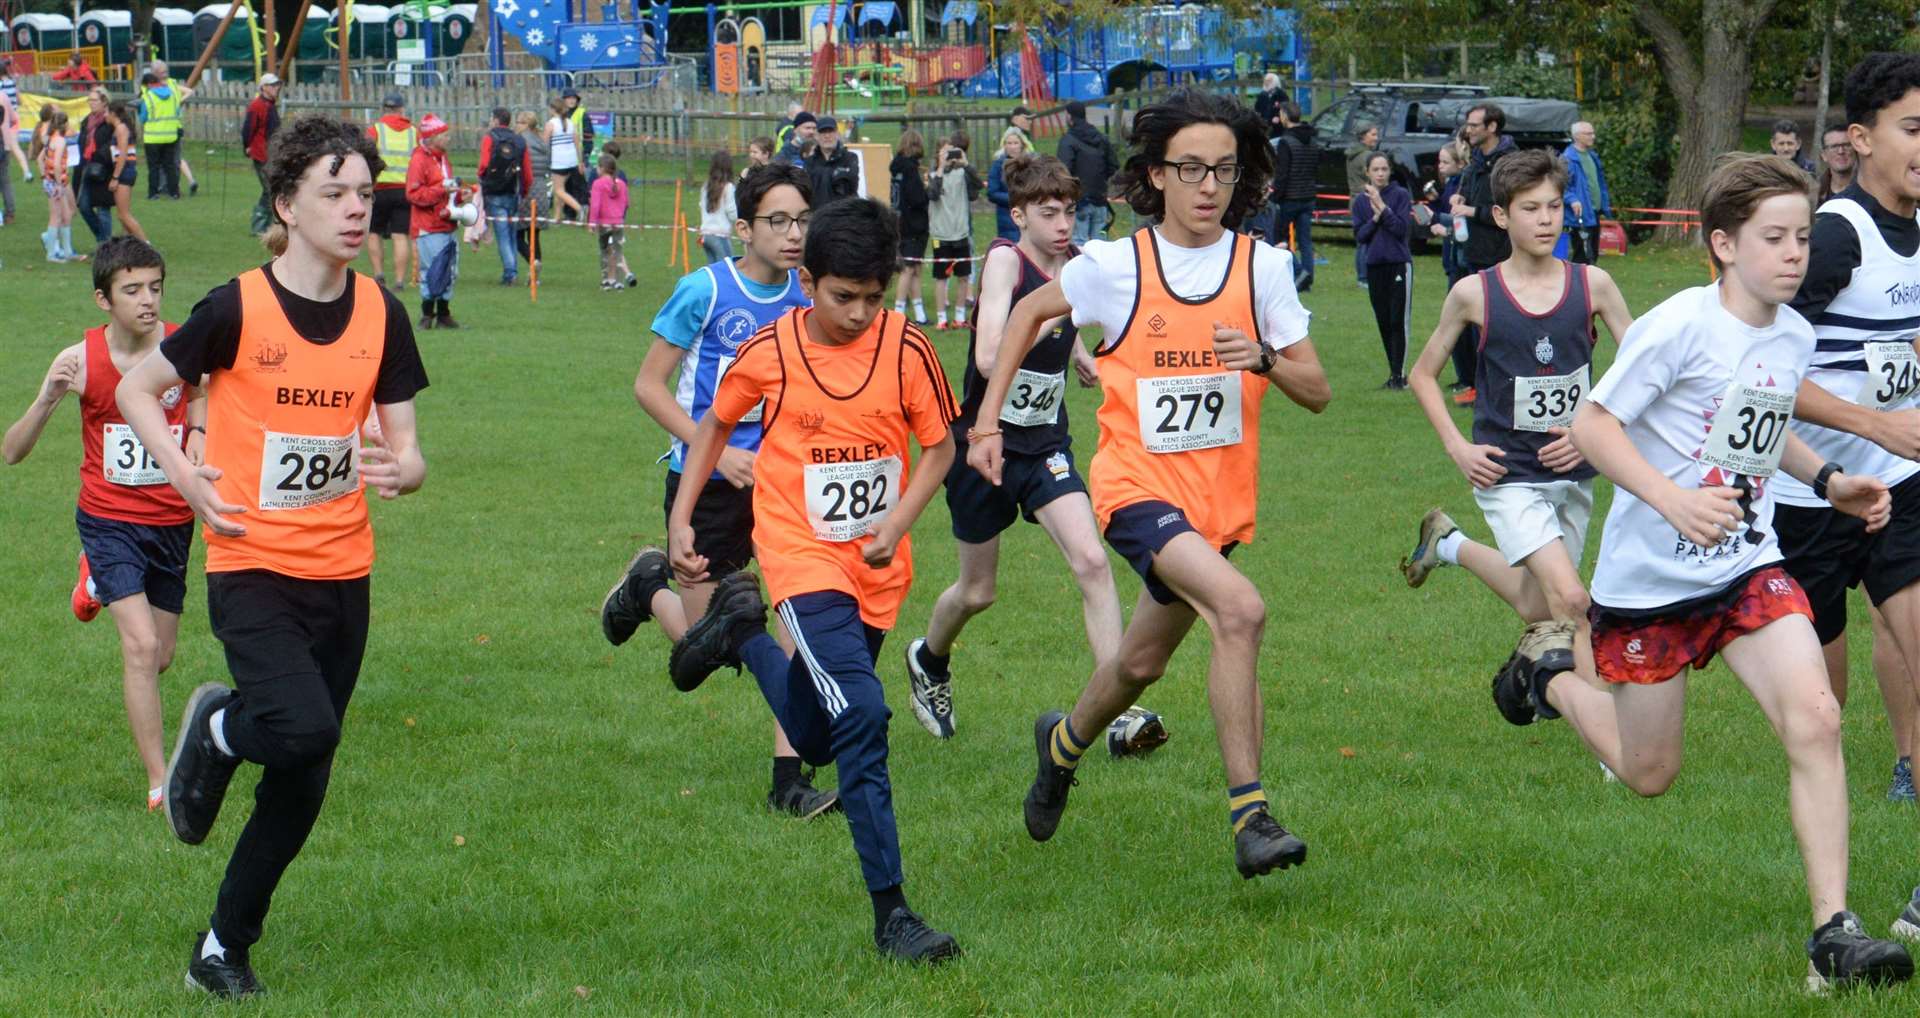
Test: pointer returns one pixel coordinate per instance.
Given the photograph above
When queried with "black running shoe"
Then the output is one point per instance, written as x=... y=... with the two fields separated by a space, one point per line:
x=197 y=775
x=1510 y=692
x=629 y=603
x=1840 y=954
x=1262 y=846
x=709 y=644
x=801 y=799
x=223 y=975
x=1520 y=686
x=1047 y=799
x=907 y=937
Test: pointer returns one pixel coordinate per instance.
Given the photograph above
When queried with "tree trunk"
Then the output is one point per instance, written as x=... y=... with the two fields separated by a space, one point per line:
x=142 y=14
x=1826 y=83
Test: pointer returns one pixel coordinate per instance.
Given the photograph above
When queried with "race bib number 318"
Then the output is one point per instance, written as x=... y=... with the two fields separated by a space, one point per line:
x=298 y=471
x=123 y=460
x=1186 y=412
x=845 y=500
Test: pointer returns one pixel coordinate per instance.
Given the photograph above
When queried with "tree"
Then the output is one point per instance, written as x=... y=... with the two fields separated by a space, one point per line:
x=1710 y=76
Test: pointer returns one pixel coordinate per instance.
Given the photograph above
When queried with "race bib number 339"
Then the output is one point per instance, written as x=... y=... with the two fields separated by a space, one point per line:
x=845 y=500
x=298 y=471
x=1182 y=413
x=1749 y=430
x=1548 y=402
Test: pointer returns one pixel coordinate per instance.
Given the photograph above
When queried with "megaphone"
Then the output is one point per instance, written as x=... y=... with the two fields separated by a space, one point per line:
x=464 y=212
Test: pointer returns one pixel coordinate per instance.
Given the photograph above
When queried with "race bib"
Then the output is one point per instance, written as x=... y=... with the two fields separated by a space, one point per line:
x=298 y=471
x=1187 y=412
x=123 y=460
x=845 y=500
x=1749 y=430
x=1893 y=375
x=1034 y=400
x=759 y=409
x=1542 y=403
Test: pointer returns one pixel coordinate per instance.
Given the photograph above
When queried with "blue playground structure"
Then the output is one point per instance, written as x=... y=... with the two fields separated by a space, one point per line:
x=558 y=34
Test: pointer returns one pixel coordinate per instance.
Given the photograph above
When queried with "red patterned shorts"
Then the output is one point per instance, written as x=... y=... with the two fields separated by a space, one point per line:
x=1647 y=650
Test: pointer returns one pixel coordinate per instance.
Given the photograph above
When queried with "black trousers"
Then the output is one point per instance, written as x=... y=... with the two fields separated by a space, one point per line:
x=163 y=169
x=1389 y=289
x=294 y=648
x=1583 y=244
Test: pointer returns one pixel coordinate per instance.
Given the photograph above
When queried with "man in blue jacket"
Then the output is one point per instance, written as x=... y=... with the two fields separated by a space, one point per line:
x=1588 y=200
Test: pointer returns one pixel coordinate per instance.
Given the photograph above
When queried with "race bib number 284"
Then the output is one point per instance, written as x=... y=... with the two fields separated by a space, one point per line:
x=297 y=471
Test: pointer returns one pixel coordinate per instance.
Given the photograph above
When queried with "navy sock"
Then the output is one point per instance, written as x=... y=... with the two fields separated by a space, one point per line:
x=884 y=902
x=935 y=664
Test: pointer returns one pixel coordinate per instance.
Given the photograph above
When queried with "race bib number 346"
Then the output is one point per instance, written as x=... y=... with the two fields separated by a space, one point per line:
x=845 y=500
x=1034 y=400
x=1187 y=412
x=298 y=471
x=1749 y=430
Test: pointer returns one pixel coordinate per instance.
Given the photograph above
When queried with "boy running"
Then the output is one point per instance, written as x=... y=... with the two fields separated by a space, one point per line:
x=844 y=386
x=1198 y=322
x=298 y=352
x=1535 y=318
x=698 y=332
x=1040 y=480
x=1691 y=425
x=135 y=531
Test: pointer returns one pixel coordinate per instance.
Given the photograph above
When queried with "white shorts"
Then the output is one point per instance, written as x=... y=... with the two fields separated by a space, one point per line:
x=1526 y=517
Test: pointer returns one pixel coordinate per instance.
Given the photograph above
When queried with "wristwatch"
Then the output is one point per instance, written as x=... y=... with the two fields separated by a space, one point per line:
x=1826 y=474
x=1266 y=361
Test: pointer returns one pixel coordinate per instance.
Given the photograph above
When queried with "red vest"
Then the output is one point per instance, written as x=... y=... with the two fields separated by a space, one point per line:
x=119 y=479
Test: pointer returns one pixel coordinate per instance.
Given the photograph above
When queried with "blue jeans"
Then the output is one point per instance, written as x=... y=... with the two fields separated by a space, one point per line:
x=1299 y=215
x=1090 y=222
x=500 y=208
x=426 y=249
x=831 y=704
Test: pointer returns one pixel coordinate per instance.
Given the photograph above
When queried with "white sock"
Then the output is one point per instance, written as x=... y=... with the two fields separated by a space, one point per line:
x=899 y=307
x=213 y=948
x=919 y=310
x=218 y=725
x=1448 y=548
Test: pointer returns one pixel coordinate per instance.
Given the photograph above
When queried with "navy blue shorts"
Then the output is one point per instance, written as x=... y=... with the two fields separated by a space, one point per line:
x=136 y=558
x=1140 y=530
x=981 y=511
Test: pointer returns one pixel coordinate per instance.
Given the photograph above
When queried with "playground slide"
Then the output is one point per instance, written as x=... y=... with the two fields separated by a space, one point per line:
x=543 y=29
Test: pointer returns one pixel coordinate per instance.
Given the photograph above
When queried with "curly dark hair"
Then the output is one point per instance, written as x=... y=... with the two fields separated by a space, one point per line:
x=301 y=144
x=1153 y=130
x=1878 y=81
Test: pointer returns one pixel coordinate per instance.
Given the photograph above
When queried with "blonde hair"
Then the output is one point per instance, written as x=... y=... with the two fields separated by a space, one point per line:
x=1014 y=132
x=1740 y=181
x=526 y=120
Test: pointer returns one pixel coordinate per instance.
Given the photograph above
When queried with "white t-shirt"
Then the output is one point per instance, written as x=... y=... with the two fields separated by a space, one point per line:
x=719 y=222
x=563 y=152
x=1685 y=368
x=1101 y=283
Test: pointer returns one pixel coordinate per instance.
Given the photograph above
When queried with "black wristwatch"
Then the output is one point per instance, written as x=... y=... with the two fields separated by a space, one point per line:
x=1267 y=360
x=1826 y=474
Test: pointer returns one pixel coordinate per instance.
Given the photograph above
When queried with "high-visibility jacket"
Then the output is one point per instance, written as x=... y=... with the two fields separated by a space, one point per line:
x=396 y=150
x=163 y=117
x=582 y=132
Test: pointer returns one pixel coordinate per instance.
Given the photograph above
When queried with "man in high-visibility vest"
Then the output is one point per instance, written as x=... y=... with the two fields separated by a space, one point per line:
x=395 y=137
x=159 y=69
x=160 y=135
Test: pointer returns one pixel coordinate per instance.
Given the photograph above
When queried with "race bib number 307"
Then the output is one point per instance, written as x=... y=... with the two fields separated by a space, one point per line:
x=1187 y=412
x=298 y=471
x=1749 y=430
x=123 y=460
x=845 y=500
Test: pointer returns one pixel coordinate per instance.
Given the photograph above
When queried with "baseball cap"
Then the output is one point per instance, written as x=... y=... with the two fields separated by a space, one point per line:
x=826 y=124
x=269 y=78
x=803 y=117
x=394 y=101
x=569 y=93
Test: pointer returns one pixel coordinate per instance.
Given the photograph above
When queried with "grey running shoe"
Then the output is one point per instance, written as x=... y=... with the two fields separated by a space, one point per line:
x=802 y=800
x=1901 y=790
x=1907 y=927
x=1426 y=549
x=907 y=937
x=1840 y=954
x=1262 y=846
x=930 y=695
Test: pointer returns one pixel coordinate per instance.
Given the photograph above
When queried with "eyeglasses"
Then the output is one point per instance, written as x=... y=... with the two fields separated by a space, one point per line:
x=1194 y=173
x=1839 y=146
x=780 y=222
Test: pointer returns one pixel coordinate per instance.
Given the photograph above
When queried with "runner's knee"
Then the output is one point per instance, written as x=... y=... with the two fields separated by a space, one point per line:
x=1241 y=619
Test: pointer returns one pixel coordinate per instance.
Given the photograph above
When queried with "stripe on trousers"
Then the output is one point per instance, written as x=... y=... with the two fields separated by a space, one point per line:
x=823 y=681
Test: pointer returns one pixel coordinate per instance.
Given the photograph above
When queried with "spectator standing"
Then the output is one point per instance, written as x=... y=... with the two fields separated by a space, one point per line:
x=1588 y=200
x=576 y=113
x=1382 y=223
x=256 y=131
x=160 y=135
x=506 y=178
x=1452 y=163
x=1486 y=242
x=50 y=148
x=1366 y=141
x=395 y=137
x=799 y=140
x=1089 y=156
x=10 y=126
x=96 y=164
x=717 y=211
x=430 y=189
x=527 y=123
x=1786 y=144
x=1013 y=144
x=120 y=123
x=910 y=201
x=759 y=153
x=951 y=188
x=183 y=169
x=607 y=214
x=786 y=129
x=1296 y=183
x=833 y=168
x=563 y=159
x=1836 y=153
x=1267 y=105
x=1021 y=119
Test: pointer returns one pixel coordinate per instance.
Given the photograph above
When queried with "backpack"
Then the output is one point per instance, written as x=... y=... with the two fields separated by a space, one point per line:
x=502 y=172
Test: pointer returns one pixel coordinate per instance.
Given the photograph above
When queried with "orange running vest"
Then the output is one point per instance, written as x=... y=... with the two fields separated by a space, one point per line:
x=1175 y=426
x=282 y=425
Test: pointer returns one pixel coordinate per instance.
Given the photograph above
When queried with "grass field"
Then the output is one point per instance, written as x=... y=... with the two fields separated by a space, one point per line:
x=525 y=820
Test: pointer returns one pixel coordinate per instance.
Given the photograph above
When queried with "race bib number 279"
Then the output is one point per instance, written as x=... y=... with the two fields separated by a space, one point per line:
x=1181 y=413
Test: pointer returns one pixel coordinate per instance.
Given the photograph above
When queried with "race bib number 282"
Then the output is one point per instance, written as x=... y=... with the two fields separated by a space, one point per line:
x=846 y=500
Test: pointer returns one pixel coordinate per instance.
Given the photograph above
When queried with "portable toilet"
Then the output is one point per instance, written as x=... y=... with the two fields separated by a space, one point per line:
x=171 y=35
x=453 y=27
x=405 y=34
x=110 y=30
x=369 y=30
x=237 y=46
x=41 y=32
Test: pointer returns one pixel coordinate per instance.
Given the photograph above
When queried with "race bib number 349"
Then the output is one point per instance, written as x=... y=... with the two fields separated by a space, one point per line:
x=298 y=471
x=1187 y=412
x=1893 y=375
x=845 y=500
x=1749 y=430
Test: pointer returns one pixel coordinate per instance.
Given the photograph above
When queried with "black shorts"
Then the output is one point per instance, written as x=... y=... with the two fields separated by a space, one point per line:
x=136 y=558
x=1140 y=530
x=722 y=524
x=981 y=511
x=391 y=213
x=952 y=258
x=913 y=250
x=1828 y=551
x=129 y=174
x=273 y=626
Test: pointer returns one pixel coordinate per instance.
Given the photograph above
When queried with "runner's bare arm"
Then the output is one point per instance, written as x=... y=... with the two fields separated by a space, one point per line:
x=1609 y=303
x=709 y=439
x=139 y=398
x=1896 y=431
x=393 y=465
x=1861 y=495
x=1465 y=305
x=1298 y=375
x=1023 y=330
x=997 y=279
x=656 y=398
x=67 y=372
x=196 y=443
x=928 y=475
x=1702 y=515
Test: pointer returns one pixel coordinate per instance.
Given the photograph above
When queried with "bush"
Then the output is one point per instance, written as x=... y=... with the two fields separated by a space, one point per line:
x=1635 y=141
x=1525 y=78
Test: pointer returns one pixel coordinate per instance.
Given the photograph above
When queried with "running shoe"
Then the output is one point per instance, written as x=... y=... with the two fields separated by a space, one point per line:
x=224 y=975
x=86 y=604
x=1136 y=732
x=931 y=696
x=1466 y=396
x=1047 y=799
x=1901 y=790
x=198 y=774
x=907 y=937
x=711 y=643
x=1907 y=927
x=1262 y=846
x=1520 y=686
x=1840 y=954
x=800 y=799
x=1435 y=525
x=629 y=603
